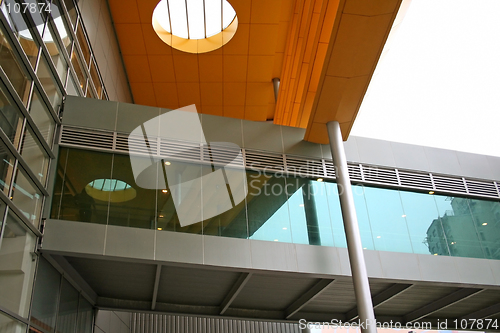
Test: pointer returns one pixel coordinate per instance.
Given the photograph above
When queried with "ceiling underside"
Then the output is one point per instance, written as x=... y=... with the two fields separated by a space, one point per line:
x=323 y=51
x=201 y=290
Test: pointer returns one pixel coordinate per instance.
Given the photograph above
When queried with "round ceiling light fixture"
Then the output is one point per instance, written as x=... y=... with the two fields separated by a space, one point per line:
x=195 y=26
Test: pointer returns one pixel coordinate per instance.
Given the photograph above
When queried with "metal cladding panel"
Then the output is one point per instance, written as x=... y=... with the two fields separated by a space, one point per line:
x=164 y=323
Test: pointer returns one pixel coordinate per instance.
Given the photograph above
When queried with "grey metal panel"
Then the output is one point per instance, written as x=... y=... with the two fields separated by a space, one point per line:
x=102 y=320
x=494 y=163
x=131 y=116
x=495 y=268
x=376 y=152
x=294 y=144
x=351 y=150
x=130 y=242
x=373 y=264
x=400 y=265
x=93 y=113
x=67 y=236
x=223 y=251
x=438 y=268
x=318 y=259
x=262 y=136
x=409 y=156
x=468 y=269
x=179 y=247
x=345 y=265
x=474 y=165
x=442 y=161
x=273 y=255
x=222 y=129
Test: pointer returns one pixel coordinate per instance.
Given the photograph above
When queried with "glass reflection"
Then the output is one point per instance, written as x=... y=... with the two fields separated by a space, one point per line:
x=27 y=197
x=49 y=84
x=68 y=308
x=276 y=208
x=34 y=155
x=45 y=297
x=11 y=120
x=17 y=267
x=6 y=169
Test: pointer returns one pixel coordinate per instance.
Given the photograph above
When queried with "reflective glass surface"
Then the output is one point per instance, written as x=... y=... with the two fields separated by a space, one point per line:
x=34 y=155
x=60 y=24
x=10 y=325
x=68 y=308
x=27 y=197
x=45 y=297
x=56 y=55
x=6 y=169
x=20 y=29
x=276 y=207
x=11 y=120
x=85 y=316
x=49 y=84
x=41 y=116
x=14 y=70
x=17 y=267
x=82 y=41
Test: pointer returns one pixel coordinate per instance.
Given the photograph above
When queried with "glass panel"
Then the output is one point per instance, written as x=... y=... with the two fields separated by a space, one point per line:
x=11 y=120
x=84 y=46
x=60 y=24
x=49 y=84
x=75 y=60
x=268 y=212
x=10 y=325
x=56 y=54
x=459 y=228
x=6 y=169
x=68 y=308
x=41 y=116
x=188 y=191
x=58 y=184
x=17 y=266
x=422 y=216
x=130 y=205
x=335 y=215
x=20 y=29
x=85 y=316
x=81 y=169
x=34 y=155
x=72 y=14
x=37 y=15
x=71 y=87
x=27 y=197
x=365 y=229
x=486 y=215
x=13 y=69
x=224 y=212
x=95 y=78
x=43 y=310
x=309 y=216
x=387 y=220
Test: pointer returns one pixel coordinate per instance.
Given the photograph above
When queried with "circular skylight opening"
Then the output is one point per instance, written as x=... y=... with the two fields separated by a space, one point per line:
x=195 y=26
x=113 y=190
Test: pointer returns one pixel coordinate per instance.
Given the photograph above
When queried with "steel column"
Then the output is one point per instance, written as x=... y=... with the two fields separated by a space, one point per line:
x=354 y=246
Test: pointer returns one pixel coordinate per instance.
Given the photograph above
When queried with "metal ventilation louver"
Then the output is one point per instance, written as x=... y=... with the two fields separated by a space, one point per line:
x=87 y=138
x=415 y=180
x=258 y=160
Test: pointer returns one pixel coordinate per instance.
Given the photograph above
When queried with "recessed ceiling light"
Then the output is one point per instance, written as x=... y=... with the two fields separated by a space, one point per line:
x=285 y=228
x=453 y=243
x=160 y=228
x=379 y=236
x=319 y=179
x=167 y=163
x=164 y=191
x=275 y=240
x=435 y=254
x=161 y=216
x=431 y=192
x=404 y=215
x=485 y=223
x=301 y=205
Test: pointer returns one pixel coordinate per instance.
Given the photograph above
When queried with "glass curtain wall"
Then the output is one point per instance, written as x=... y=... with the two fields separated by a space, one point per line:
x=277 y=207
x=39 y=48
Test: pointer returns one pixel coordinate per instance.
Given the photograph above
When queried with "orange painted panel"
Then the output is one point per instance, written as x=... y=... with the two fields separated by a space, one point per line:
x=258 y=93
x=210 y=67
x=153 y=43
x=163 y=68
x=138 y=68
x=260 y=68
x=186 y=68
x=234 y=93
x=189 y=93
x=211 y=93
x=235 y=68
x=124 y=11
x=130 y=38
x=143 y=93
x=239 y=43
x=166 y=95
x=263 y=38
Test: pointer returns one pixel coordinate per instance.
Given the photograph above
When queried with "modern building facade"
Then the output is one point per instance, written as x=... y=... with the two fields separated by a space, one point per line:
x=86 y=246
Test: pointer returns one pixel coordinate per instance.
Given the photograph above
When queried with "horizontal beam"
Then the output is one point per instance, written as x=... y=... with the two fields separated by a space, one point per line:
x=307 y=297
x=235 y=290
x=380 y=298
x=441 y=303
x=483 y=313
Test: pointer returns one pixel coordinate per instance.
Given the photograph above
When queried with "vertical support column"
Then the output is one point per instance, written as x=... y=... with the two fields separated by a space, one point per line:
x=276 y=86
x=354 y=247
x=313 y=232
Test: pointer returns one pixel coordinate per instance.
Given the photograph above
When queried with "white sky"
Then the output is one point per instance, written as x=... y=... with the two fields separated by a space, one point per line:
x=438 y=83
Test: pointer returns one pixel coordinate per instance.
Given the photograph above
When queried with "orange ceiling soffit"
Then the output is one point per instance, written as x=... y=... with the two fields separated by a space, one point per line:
x=359 y=34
